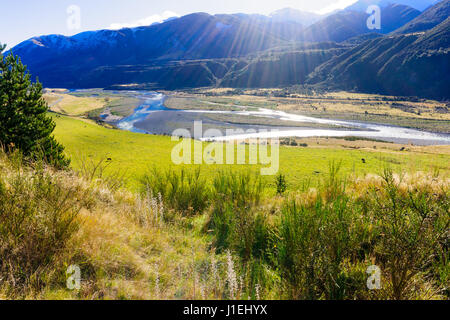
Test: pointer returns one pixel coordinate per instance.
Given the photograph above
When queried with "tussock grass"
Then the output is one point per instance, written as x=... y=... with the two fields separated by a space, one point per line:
x=52 y=219
x=38 y=216
x=185 y=191
x=319 y=243
x=238 y=242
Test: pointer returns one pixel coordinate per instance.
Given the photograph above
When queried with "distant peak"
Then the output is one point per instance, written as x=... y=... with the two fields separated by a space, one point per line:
x=291 y=11
x=362 y=5
x=294 y=15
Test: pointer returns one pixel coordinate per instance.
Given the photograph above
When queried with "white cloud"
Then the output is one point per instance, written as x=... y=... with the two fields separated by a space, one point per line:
x=156 y=18
x=336 y=5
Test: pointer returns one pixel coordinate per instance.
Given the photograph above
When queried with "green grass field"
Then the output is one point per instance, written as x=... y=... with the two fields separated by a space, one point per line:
x=133 y=154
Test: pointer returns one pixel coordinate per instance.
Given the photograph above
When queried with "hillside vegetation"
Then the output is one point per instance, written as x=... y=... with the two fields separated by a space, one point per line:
x=397 y=65
x=429 y=19
x=90 y=212
x=182 y=238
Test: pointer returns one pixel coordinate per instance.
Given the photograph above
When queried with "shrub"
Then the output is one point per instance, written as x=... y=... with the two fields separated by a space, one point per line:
x=316 y=237
x=240 y=189
x=326 y=242
x=333 y=186
x=314 y=242
x=38 y=215
x=281 y=184
x=414 y=227
x=234 y=217
x=185 y=191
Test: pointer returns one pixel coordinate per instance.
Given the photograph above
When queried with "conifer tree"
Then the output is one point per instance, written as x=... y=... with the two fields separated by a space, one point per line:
x=24 y=123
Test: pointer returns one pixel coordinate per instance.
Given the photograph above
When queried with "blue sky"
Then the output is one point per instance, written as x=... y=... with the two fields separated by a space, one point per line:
x=23 y=19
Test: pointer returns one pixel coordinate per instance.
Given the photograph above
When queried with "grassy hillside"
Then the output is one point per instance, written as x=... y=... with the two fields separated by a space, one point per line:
x=429 y=19
x=119 y=240
x=226 y=241
x=74 y=106
x=394 y=65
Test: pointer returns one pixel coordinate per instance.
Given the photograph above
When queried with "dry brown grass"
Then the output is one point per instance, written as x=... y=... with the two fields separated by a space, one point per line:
x=333 y=103
x=124 y=247
x=130 y=246
x=74 y=106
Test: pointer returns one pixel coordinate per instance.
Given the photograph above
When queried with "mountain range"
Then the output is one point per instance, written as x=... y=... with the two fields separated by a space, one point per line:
x=347 y=24
x=408 y=65
x=288 y=47
x=429 y=19
x=421 y=5
x=291 y=15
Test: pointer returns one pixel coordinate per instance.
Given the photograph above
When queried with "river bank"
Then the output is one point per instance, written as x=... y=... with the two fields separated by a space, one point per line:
x=154 y=117
x=254 y=116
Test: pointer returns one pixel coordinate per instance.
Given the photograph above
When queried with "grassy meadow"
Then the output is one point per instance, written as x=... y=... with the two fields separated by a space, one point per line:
x=134 y=154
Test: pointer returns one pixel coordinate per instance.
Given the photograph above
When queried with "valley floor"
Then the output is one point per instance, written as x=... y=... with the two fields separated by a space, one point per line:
x=407 y=112
x=307 y=159
x=422 y=114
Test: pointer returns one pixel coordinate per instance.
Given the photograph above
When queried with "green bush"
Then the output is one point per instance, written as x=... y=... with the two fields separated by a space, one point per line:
x=414 y=227
x=314 y=242
x=316 y=238
x=240 y=189
x=281 y=184
x=235 y=219
x=183 y=190
x=325 y=245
